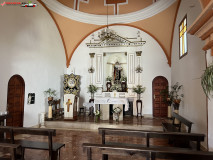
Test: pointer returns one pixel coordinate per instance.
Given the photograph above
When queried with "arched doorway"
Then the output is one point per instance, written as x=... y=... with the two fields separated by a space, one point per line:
x=160 y=107
x=15 y=101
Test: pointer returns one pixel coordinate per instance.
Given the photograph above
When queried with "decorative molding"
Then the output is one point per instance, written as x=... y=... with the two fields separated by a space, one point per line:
x=138 y=53
x=115 y=5
x=145 y=13
x=92 y=55
x=131 y=68
x=109 y=38
x=99 y=73
x=77 y=3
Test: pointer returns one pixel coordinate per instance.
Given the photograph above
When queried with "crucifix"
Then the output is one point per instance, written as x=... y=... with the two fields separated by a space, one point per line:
x=68 y=105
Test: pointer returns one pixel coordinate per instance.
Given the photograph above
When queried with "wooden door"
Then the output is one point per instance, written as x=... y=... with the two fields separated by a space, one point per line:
x=15 y=101
x=160 y=107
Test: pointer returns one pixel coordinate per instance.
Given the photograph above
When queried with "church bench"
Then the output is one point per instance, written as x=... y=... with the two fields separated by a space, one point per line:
x=149 y=153
x=52 y=147
x=9 y=148
x=172 y=127
x=198 y=138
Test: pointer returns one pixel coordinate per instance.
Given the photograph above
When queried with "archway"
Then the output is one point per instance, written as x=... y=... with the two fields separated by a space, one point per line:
x=160 y=107
x=15 y=101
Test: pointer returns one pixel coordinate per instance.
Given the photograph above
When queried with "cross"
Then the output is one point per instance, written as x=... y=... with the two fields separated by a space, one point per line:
x=68 y=105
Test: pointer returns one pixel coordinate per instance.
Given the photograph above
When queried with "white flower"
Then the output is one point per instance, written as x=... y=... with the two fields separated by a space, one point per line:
x=97 y=113
x=117 y=110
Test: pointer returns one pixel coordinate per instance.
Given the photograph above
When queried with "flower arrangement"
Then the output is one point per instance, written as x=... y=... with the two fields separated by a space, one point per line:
x=173 y=96
x=92 y=88
x=115 y=88
x=139 y=89
x=109 y=78
x=123 y=78
x=116 y=111
x=139 y=69
x=91 y=69
x=176 y=97
x=97 y=115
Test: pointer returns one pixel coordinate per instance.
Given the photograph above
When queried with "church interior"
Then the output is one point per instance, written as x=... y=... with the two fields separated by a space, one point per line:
x=135 y=71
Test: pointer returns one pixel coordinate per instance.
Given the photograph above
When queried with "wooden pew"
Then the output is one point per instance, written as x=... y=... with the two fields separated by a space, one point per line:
x=52 y=147
x=9 y=148
x=198 y=138
x=171 y=127
x=149 y=153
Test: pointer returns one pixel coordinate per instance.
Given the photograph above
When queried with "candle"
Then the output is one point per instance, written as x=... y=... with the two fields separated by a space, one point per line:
x=50 y=112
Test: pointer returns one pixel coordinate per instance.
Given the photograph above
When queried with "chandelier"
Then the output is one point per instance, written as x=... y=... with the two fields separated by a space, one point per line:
x=106 y=34
x=109 y=38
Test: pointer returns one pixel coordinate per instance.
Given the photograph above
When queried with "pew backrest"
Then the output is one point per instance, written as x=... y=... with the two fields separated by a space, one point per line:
x=182 y=120
x=149 y=153
x=151 y=134
x=32 y=131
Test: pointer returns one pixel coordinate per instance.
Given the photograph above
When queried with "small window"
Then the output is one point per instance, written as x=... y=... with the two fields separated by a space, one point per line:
x=183 y=37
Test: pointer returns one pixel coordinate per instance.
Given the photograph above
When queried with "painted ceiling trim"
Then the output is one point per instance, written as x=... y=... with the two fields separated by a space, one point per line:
x=145 y=13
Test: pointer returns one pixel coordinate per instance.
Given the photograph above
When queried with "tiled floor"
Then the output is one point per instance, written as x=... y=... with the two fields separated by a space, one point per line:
x=74 y=139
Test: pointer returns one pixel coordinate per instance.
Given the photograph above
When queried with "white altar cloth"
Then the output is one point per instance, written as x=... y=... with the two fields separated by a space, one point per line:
x=110 y=100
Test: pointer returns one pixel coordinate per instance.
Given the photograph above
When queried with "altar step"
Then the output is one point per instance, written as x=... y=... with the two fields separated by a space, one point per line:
x=92 y=126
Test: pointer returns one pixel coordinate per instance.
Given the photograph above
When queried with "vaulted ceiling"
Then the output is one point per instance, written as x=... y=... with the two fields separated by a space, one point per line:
x=76 y=19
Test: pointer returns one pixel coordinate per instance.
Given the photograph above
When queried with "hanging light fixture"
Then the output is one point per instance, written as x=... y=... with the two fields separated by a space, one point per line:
x=109 y=38
x=106 y=33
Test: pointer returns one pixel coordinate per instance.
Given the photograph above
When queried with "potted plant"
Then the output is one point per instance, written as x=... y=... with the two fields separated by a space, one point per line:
x=123 y=78
x=176 y=96
x=108 y=83
x=139 y=89
x=109 y=79
x=50 y=94
x=92 y=89
x=116 y=111
x=168 y=98
x=207 y=80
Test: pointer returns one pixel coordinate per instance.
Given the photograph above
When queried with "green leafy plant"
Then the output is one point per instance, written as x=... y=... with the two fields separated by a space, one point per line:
x=115 y=88
x=50 y=92
x=175 y=93
x=109 y=78
x=92 y=88
x=139 y=89
x=207 y=80
x=123 y=78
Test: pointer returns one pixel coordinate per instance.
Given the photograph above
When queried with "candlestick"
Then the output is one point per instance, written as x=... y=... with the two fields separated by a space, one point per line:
x=50 y=112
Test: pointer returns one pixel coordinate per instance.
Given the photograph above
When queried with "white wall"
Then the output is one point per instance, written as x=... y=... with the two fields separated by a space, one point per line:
x=210 y=107
x=30 y=45
x=154 y=63
x=188 y=70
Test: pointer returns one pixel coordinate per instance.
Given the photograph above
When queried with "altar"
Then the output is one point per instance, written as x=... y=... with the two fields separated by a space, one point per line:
x=104 y=103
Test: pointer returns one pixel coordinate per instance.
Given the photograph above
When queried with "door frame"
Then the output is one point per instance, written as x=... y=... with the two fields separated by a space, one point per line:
x=153 y=91
x=23 y=94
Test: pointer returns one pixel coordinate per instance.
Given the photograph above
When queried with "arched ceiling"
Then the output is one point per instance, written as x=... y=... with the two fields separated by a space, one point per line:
x=99 y=7
x=157 y=19
x=99 y=19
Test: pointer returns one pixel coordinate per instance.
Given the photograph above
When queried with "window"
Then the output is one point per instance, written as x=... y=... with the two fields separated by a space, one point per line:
x=183 y=37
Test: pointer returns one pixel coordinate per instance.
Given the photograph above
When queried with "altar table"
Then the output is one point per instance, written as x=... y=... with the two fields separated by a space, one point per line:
x=104 y=106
